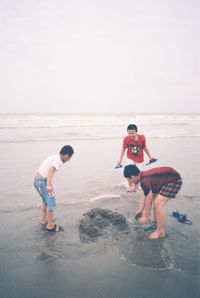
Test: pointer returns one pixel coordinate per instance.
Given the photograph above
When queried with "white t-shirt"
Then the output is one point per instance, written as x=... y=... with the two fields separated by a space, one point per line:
x=51 y=161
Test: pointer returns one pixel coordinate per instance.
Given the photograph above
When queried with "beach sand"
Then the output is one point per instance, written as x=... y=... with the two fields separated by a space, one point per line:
x=124 y=264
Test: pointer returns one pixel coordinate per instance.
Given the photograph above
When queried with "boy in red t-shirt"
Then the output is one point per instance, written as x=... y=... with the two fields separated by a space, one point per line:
x=158 y=185
x=135 y=144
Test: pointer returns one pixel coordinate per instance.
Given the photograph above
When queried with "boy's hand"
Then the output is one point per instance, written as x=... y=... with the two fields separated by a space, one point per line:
x=143 y=220
x=138 y=215
x=49 y=188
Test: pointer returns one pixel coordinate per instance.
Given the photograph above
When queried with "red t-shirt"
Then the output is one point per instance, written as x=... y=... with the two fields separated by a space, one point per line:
x=154 y=179
x=135 y=148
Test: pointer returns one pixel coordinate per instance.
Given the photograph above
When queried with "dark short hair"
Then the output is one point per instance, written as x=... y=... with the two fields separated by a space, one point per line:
x=67 y=150
x=132 y=127
x=131 y=170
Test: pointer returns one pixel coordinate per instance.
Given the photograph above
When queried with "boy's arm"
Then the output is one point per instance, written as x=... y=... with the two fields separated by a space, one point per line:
x=121 y=156
x=49 y=179
x=140 y=210
x=147 y=152
x=148 y=203
x=141 y=205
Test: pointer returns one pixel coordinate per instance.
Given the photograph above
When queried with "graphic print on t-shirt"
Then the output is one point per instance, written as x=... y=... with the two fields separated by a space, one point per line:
x=134 y=148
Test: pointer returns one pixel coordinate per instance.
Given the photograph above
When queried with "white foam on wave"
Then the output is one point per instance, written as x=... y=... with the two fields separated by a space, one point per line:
x=54 y=127
x=84 y=138
x=94 y=119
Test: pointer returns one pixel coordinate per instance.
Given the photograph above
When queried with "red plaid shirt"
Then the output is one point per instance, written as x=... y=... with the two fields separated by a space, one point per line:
x=154 y=179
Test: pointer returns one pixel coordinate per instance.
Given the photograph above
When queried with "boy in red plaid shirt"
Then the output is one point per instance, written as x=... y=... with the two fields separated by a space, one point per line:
x=158 y=185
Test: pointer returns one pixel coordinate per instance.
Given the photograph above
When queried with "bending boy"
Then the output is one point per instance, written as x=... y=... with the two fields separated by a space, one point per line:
x=158 y=185
x=43 y=184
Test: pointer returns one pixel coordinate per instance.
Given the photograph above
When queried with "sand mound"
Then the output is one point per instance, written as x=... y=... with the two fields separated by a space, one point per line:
x=98 y=222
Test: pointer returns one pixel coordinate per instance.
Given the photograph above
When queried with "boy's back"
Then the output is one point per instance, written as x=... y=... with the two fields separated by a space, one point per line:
x=52 y=160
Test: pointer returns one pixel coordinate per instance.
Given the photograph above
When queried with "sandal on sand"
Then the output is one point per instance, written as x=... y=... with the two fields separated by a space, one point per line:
x=43 y=226
x=151 y=226
x=156 y=235
x=56 y=228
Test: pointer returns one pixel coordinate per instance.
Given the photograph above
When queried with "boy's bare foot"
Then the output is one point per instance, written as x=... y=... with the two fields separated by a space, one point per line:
x=132 y=189
x=137 y=187
x=157 y=235
x=43 y=222
x=129 y=189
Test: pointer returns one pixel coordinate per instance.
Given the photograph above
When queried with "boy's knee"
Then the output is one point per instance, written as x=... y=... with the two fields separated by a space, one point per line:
x=160 y=201
x=51 y=204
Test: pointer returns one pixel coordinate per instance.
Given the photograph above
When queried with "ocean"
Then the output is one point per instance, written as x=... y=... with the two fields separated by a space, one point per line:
x=118 y=263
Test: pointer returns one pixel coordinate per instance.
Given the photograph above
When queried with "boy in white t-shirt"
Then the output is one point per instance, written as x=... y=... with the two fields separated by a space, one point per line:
x=43 y=184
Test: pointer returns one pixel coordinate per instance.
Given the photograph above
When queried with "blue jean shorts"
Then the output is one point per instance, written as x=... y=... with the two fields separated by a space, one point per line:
x=41 y=187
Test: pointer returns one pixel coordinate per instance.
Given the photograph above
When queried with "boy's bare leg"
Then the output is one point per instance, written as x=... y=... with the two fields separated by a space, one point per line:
x=130 y=186
x=136 y=187
x=142 y=204
x=154 y=212
x=140 y=210
x=43 y=214
x=50 y=224
x=159 y=203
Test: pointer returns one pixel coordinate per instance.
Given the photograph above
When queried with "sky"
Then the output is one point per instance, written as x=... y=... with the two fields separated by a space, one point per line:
x=100 y=56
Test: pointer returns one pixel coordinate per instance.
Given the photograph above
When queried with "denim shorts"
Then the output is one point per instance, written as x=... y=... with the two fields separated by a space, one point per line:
x=41 y=187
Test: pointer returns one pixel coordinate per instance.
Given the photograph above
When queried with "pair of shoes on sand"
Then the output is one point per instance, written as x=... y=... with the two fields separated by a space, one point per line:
x=181 y=217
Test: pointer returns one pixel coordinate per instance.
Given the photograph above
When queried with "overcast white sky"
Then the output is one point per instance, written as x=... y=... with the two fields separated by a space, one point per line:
x=99 y=56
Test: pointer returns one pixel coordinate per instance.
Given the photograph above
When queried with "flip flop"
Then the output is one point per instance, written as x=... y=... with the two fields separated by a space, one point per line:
x=43 y=226
x=151 y=161
x=118 y=166
x=181 y=217
x=175 y=214
x=56 y=228
x=151 y=226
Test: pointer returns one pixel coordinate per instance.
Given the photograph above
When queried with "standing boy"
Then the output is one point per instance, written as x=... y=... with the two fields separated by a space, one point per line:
x=135 y=144
x=43 y=184
x=158 y=185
